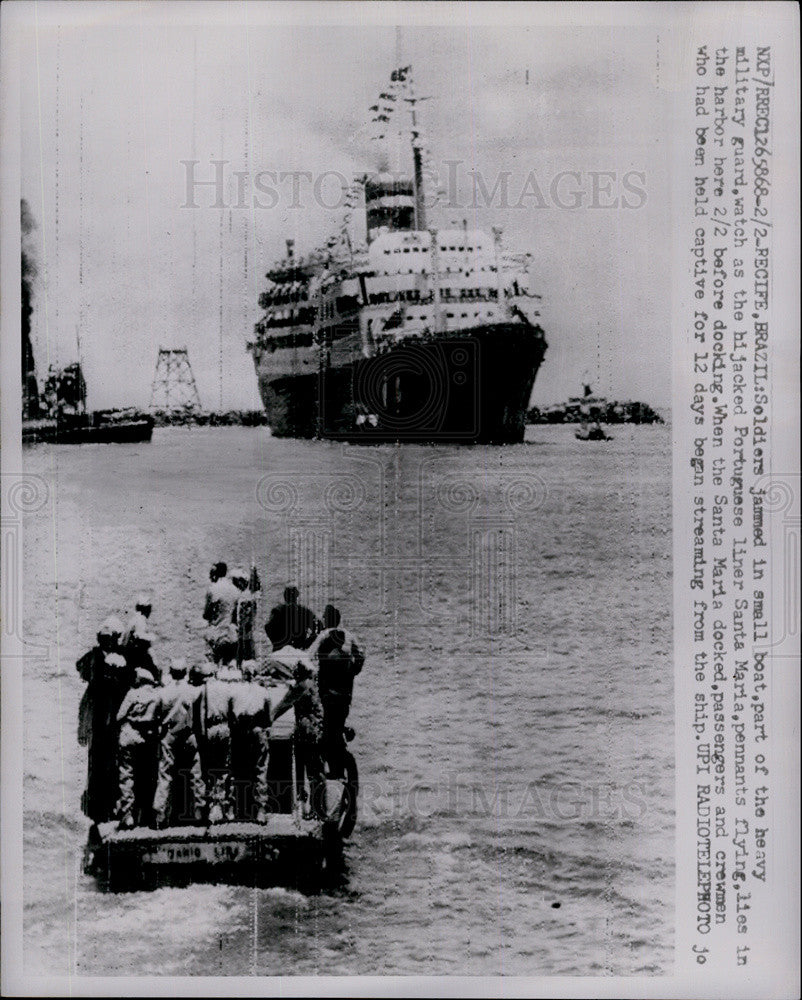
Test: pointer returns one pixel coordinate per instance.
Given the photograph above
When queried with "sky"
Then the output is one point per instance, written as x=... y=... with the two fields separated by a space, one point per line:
x=113 y=109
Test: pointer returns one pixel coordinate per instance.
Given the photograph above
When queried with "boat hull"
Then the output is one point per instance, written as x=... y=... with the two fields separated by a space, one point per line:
x=130 y=858
x=468 y=387
x=88 y=432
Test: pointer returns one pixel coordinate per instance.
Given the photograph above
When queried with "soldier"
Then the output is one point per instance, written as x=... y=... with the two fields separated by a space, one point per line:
x=214 y=722
x=178 y=752
x=304 y=698
x=139 y=622
x=250 y=745
x=291 y=624
x=138 y=654
x=339 y=660
x=218 y=613
x=244 y=615
x=107 y=678
x=139 y=744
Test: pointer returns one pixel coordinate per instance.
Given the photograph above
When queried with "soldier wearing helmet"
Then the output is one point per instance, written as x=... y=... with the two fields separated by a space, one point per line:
x=138 y=751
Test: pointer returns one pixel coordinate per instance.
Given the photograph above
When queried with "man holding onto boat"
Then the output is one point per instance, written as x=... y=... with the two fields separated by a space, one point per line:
x=339 y=660
x=303 y=696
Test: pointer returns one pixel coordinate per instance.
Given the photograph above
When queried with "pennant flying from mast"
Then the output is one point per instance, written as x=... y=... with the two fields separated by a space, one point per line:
x=385 y=108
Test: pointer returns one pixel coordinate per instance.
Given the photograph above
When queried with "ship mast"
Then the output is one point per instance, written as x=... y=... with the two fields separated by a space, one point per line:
x=417 y=152
x=417 y=160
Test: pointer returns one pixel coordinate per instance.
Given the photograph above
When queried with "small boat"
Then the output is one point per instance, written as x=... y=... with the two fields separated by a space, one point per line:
x=592 y=432
x=590 y=408
x=289 y=847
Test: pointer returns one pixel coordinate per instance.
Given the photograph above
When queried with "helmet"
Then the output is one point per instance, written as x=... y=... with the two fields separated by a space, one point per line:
x=178 y=667
x=111 y=626
x=199 y=672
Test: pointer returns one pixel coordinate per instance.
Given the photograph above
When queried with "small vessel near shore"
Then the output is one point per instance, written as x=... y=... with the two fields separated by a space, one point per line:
x=64 y=418
x=592 y=432
x=591 y=410
x=100 y=427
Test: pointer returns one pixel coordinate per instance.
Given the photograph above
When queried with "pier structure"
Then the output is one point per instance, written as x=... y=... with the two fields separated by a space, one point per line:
x=174 y=387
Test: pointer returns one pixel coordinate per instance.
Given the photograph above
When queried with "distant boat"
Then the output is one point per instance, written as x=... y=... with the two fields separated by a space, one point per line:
x=69 y=422
x=590 y=428
x=89 y=428
x=592 y=432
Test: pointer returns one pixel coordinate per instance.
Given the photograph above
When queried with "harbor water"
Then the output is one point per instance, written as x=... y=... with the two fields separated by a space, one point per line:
x=514 y=718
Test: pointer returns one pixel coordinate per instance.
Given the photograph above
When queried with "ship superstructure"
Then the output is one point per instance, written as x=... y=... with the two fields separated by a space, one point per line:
x=422 y=333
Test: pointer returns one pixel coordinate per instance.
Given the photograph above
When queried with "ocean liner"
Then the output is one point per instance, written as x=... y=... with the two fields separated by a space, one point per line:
x=422 y=334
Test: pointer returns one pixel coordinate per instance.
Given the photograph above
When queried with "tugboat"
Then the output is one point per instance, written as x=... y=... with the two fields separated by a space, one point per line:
x=422 y=334
x=288 y=847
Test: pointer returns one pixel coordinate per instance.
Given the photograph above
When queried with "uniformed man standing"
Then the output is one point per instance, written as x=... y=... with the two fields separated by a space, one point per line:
x=138 y=753
x=218 y=612
x=291 y=624
x=250 y=745
x=244 y=616
x=215 y=716
x=139 y=656
x=180 y=791
x=139 y=622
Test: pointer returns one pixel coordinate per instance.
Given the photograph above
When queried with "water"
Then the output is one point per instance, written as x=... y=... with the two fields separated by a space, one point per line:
x=514 y=718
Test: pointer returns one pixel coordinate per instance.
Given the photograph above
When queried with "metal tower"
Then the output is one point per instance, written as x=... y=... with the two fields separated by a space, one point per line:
x=174 y=385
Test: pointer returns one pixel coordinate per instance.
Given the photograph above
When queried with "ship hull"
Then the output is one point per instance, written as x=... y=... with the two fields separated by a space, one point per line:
x=468 y=387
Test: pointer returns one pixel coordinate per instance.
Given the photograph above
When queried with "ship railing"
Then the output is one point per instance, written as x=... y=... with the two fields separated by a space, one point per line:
x=272 y=299
x=446 y=295
x=303 y=338
x=298 y=317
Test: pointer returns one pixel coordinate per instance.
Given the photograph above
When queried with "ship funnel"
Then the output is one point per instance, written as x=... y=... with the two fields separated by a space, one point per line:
x=389 y=204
